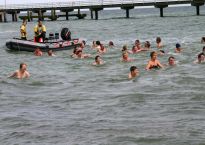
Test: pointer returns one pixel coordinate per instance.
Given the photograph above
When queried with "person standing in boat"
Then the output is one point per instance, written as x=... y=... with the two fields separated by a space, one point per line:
x=40 y=31
x=23 y=30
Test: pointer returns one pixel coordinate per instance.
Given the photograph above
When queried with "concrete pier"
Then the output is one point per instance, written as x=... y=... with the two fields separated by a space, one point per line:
x=94 y=8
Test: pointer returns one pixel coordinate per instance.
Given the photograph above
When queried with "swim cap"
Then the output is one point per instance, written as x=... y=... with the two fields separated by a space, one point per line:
x=178 y=45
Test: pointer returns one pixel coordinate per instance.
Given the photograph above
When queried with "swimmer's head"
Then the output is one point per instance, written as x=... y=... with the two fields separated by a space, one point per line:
x=203 y=49
x=171 y=60
x=98 y=43
x=158 y=40
x=111 y=43
x=147 y=44
x=124 y=48
x=201 y=57
x=23 y=66
x=153 y=55
x=178 y=45
x=97 y=58
x=133 y=68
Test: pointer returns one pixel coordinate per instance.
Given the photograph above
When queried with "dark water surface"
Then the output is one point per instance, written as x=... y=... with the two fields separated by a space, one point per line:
x=71 y=102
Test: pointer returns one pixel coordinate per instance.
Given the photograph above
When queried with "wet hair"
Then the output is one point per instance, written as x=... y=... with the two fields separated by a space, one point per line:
x=21 y=65
x=152 y=54
x=84 y=42
x=132 y=68
x=78 y=51
x=178 y=45
x=111 y=43
x=124 y=48
x=97 y=43
x=137 y=41
x=97 y=57
x=148 y=44
x=171 y=57
x=200 y=55
x=158 y=40
x=203 y=39
x=203 y=49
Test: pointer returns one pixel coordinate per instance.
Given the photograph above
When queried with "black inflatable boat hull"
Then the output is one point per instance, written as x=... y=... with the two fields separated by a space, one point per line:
x=26 y=45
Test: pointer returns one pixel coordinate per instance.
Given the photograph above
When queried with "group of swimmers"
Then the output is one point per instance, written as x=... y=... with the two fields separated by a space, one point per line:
x=153 y=63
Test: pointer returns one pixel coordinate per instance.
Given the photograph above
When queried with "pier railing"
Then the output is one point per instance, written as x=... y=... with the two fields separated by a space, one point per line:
x=84 y=4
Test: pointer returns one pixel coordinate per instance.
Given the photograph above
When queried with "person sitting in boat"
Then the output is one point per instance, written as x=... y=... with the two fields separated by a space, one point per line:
x=134 y=72
x=21 y=73
x=50 y=53
x=23 y=30
x=40 y=32
x=38 y=52
x=153 y=63
x=98 y=60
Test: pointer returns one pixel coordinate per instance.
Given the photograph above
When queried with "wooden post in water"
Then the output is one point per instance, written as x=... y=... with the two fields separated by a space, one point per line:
x=66 y=11
x=197 y=4
x=127 y=8
x=161 y=6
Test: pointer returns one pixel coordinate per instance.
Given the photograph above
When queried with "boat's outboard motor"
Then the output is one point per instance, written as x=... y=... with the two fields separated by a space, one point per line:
x=65 y=34
x=51 y=36
x=56 y=36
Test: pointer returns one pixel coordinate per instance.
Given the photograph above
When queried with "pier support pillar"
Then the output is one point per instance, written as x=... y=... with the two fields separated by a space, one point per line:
x=53 y=15
x=5 y=18
x=12 y=15
x=28 y=16
x=161 y=6
x=16 y=16
x=96 y=10
x=127 y=8
x=1 y=17
x=66 y=11
x=197 y=4
x=96 y=15
x=91 y=14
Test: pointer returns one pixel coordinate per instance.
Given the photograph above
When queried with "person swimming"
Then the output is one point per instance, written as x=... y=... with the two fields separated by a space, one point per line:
x=161 y=52
x=38 y=52
x=50 y=53
x=153 y=62
x=79 y=54
x=21 y=73
x=200 y=58
x=111 y=44
x=134 y=72
x=98 y=60
x=147 y=46
x=203 y=50
x=203 y=40
x=178 y=48
x=125 y=49
x=171 y=61
x=125 y=57
x=159 y=42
